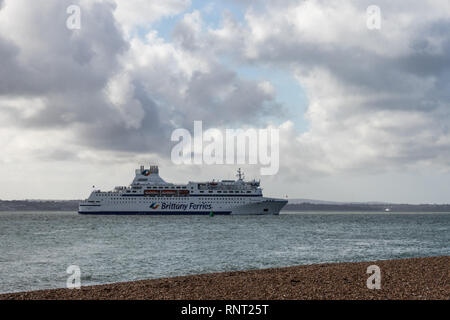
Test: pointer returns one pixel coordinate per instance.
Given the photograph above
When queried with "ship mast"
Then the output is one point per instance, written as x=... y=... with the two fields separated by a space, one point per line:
x=240 y=175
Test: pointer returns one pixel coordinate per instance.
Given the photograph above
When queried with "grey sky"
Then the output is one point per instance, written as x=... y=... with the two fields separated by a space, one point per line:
x=84 y=107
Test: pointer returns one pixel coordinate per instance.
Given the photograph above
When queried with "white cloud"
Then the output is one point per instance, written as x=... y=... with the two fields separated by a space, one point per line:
x=132 y=13
x=120 y=92
x=378 y=100
x=267 y=88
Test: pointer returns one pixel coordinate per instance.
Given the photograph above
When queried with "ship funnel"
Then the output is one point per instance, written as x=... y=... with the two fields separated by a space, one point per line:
x=148 y=176
x=154 y=169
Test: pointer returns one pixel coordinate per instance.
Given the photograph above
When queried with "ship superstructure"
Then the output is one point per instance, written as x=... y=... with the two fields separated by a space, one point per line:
x=150 y=194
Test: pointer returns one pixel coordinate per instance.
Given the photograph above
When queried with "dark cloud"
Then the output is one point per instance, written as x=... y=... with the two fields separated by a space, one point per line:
x=69 y=70
x=9 y=68
x=221 y=98
x=57 y=59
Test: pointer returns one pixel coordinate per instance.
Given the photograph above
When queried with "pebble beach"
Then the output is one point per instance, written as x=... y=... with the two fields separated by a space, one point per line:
x=415 y=278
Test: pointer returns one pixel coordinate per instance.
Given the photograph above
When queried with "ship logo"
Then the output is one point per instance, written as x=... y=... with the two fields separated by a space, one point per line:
x=146 y=172
x=154 y=206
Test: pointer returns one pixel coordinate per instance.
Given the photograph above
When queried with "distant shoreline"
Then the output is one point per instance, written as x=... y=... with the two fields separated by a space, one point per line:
x=355 y=207
x=39 y=205
x=414 y=278
x=72 y=205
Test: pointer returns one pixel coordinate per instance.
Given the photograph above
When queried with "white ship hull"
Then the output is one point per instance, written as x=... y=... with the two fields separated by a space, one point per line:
x=150 y=194
x=167 y=206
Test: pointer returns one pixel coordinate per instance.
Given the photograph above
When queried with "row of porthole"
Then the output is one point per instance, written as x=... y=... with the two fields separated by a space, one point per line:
x=177 y=198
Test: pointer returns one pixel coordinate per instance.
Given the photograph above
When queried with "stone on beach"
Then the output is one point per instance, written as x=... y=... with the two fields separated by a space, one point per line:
x=414 y=278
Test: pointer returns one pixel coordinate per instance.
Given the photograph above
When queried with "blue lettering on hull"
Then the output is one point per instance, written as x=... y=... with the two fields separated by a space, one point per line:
x=158 y=213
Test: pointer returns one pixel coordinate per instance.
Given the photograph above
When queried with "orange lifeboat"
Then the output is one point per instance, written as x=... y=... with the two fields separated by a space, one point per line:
x=151 y=192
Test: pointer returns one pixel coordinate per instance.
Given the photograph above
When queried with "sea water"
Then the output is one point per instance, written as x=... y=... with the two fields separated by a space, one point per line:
x=36 y=248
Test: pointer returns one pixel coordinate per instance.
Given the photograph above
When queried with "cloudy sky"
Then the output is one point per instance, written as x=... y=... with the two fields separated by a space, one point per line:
x=363 y=113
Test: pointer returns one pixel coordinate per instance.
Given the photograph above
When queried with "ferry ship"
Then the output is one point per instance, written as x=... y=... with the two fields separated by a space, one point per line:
x=150 y=194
